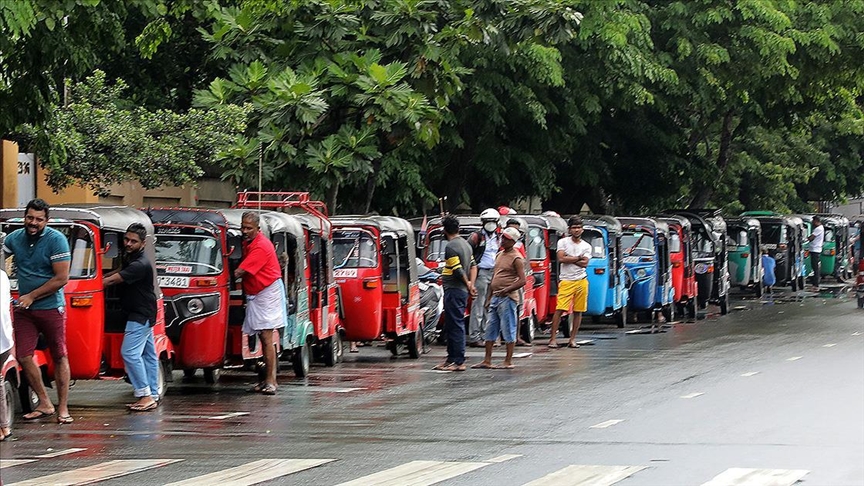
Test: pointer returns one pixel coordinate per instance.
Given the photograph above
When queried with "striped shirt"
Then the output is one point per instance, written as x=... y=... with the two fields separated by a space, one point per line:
x=458 y=259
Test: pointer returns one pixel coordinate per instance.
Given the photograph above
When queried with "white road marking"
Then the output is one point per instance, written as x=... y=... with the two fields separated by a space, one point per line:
x=750 y=373
x=692 y=395
x=14 y=462
x=228 y=415
x=856 y=333
x=757 y=477
x=585 y=342
x=334 y=389
x=586 y=476
x=61 y=453
x=254 y=472
x=504 y=458
x=99 y=472
x=830 y=345
x=417 y=473
x=603 y=425
x=522 y=355
x=794 y=358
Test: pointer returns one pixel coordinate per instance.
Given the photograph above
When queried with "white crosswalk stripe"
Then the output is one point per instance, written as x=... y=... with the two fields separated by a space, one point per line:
x=99 y=472
x=417 y=473
x=737 y=476
x=586 y=475
x=254 y=472
x=4 y=463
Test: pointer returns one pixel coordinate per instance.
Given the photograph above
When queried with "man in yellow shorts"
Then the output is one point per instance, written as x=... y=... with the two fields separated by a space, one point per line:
x=573 y=255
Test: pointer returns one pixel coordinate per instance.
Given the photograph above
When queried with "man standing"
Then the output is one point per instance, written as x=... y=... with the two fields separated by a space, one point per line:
x=42 y=260
x=485 y=243
x=573 y=254
x=817 y=239
x=503 y=298
x=138 y=302
x=458 y=278
x=265 y=294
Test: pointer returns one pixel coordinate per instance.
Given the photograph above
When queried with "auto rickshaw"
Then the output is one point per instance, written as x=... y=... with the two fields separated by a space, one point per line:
x=705 y=247
x=720 y=293
x=782 y=236
x=97 y=324
x=607 y=276
x=807 y=220
x=834 y=260
x=324 y=343
x=743 y=241
x=683 y=264
x=374 y=265
x=645 y=250
x=194 y=275
x=541 y=246
x=9 y=368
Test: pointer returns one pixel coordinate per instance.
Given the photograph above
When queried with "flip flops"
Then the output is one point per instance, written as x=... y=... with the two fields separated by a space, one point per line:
x=67 y=419
x=269 y=390
x=40 y=414
x=482 y=366
x=553 y=346
x=572 y=345
x=143 y=408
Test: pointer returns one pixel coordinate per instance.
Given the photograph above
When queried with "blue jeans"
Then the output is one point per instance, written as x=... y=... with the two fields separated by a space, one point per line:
x=139 y=355
x=501 y=319
x=455 y=301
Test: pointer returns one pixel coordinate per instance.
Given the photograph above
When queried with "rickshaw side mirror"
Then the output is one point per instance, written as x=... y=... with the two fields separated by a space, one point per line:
x=112 y=245
x=235 y=250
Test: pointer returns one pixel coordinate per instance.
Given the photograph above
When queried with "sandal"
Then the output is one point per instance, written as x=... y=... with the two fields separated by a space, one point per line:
x=40 y=414
x=482 y=366
x=257 y=388
x=65 y=419
x=443 y=367
x=143 y=408
x=572 y=345
x=269 y=390
x=553 y=346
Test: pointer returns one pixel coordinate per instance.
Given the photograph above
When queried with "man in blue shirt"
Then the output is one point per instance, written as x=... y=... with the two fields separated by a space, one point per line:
x=42 y=260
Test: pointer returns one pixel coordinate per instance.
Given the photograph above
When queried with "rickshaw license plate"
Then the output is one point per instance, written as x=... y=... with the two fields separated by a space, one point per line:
x=345 y=273
x=173 y=282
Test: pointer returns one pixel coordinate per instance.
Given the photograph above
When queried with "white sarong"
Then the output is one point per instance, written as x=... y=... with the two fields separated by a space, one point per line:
x=266 y=309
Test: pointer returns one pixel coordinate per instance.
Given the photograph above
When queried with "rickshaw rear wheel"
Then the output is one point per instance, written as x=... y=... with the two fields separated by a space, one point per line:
x=333 y=352
x=621 y=317
x=393 y=347
x=528 y=327
x=11 y=401
x=794 y=284
x=759 y=289
x=211 y=375
x=162 y=378
x=300 y=360
x=724 y=304
x=415 y=343
x=691 y=308
x=564 y=326
x=27 y=398
x=668 y=312
x=861 y=302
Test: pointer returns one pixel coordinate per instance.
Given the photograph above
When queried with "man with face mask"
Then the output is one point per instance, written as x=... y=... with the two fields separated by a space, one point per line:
x=485 y=243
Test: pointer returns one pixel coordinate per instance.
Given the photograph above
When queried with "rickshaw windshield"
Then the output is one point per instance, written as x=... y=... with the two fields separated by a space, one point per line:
x=829 y=234
x=536 y=244
x=638 y=243
x=674 y=242
x=737 y=237
x=774 y=233
x=703 y=244
x=83 y=264
x=435 y=249
x=188 y=255
x=595 y=239
x=354 y=249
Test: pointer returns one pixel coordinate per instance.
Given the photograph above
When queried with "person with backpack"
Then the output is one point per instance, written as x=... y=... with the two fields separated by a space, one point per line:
x=485 y=243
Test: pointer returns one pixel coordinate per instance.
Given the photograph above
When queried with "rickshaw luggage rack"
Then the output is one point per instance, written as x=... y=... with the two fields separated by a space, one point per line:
x=279 y=200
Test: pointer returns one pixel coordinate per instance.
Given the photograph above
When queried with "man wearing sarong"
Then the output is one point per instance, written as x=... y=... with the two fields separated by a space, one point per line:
x=265 y=295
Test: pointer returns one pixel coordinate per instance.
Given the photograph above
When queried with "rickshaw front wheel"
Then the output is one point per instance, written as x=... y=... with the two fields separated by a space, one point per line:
x=621 y=317
x=333 y=352
x=415 y=343
x=724 y=304
x=211 y=375
x=300 y=360
x=528 y=328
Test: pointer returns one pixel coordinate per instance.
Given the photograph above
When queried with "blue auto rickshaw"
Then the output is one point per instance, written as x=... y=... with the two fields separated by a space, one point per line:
x=607 y=276
x=645 y=251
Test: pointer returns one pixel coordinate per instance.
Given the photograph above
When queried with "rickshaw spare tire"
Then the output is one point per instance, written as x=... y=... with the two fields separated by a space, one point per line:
x=300 y=360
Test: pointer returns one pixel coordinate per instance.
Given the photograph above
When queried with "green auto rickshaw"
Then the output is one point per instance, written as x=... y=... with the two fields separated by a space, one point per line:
x=744 y=240
x=835 y=251
x=805 y=243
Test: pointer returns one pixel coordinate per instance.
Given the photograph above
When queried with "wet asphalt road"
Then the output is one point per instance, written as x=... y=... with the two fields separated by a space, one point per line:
x=776 y=385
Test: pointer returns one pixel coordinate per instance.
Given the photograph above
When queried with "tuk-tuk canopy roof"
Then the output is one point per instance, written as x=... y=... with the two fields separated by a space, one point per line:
x=749 y=223
x=612 y=224
x=190 y=216
x=383 y=223
x=309 y=221
x=649 y=223
x=835 y=219
x=106 y=216
x=235 y=219
x=761 y=213
x=282 y=223
x=555 y=223
x=674 y=219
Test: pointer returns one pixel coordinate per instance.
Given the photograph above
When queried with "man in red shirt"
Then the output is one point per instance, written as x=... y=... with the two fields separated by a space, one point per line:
x=265 y=294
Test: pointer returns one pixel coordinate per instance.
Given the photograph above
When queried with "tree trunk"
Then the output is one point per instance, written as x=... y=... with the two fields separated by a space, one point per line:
x=332 y=194
x=706 y=191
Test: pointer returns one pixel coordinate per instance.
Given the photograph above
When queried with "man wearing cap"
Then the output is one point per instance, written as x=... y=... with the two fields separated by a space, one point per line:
x=573 y=254
x=502 y=299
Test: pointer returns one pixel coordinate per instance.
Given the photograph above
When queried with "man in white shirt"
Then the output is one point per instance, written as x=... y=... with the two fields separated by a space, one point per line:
x=817 y=238
x=573 y=255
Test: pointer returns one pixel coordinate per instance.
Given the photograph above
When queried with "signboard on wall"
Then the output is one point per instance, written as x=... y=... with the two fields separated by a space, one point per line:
x=26 y=178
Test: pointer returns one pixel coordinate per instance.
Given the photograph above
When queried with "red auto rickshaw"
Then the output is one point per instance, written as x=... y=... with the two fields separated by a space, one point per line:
x=542 y=237
x=325 y=341
x=374 y=265
x=96 y=324
x=193 y=272
x=681 y=256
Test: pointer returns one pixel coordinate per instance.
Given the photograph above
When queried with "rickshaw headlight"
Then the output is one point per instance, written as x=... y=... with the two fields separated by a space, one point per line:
x=641 y=272
x=195 y=306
